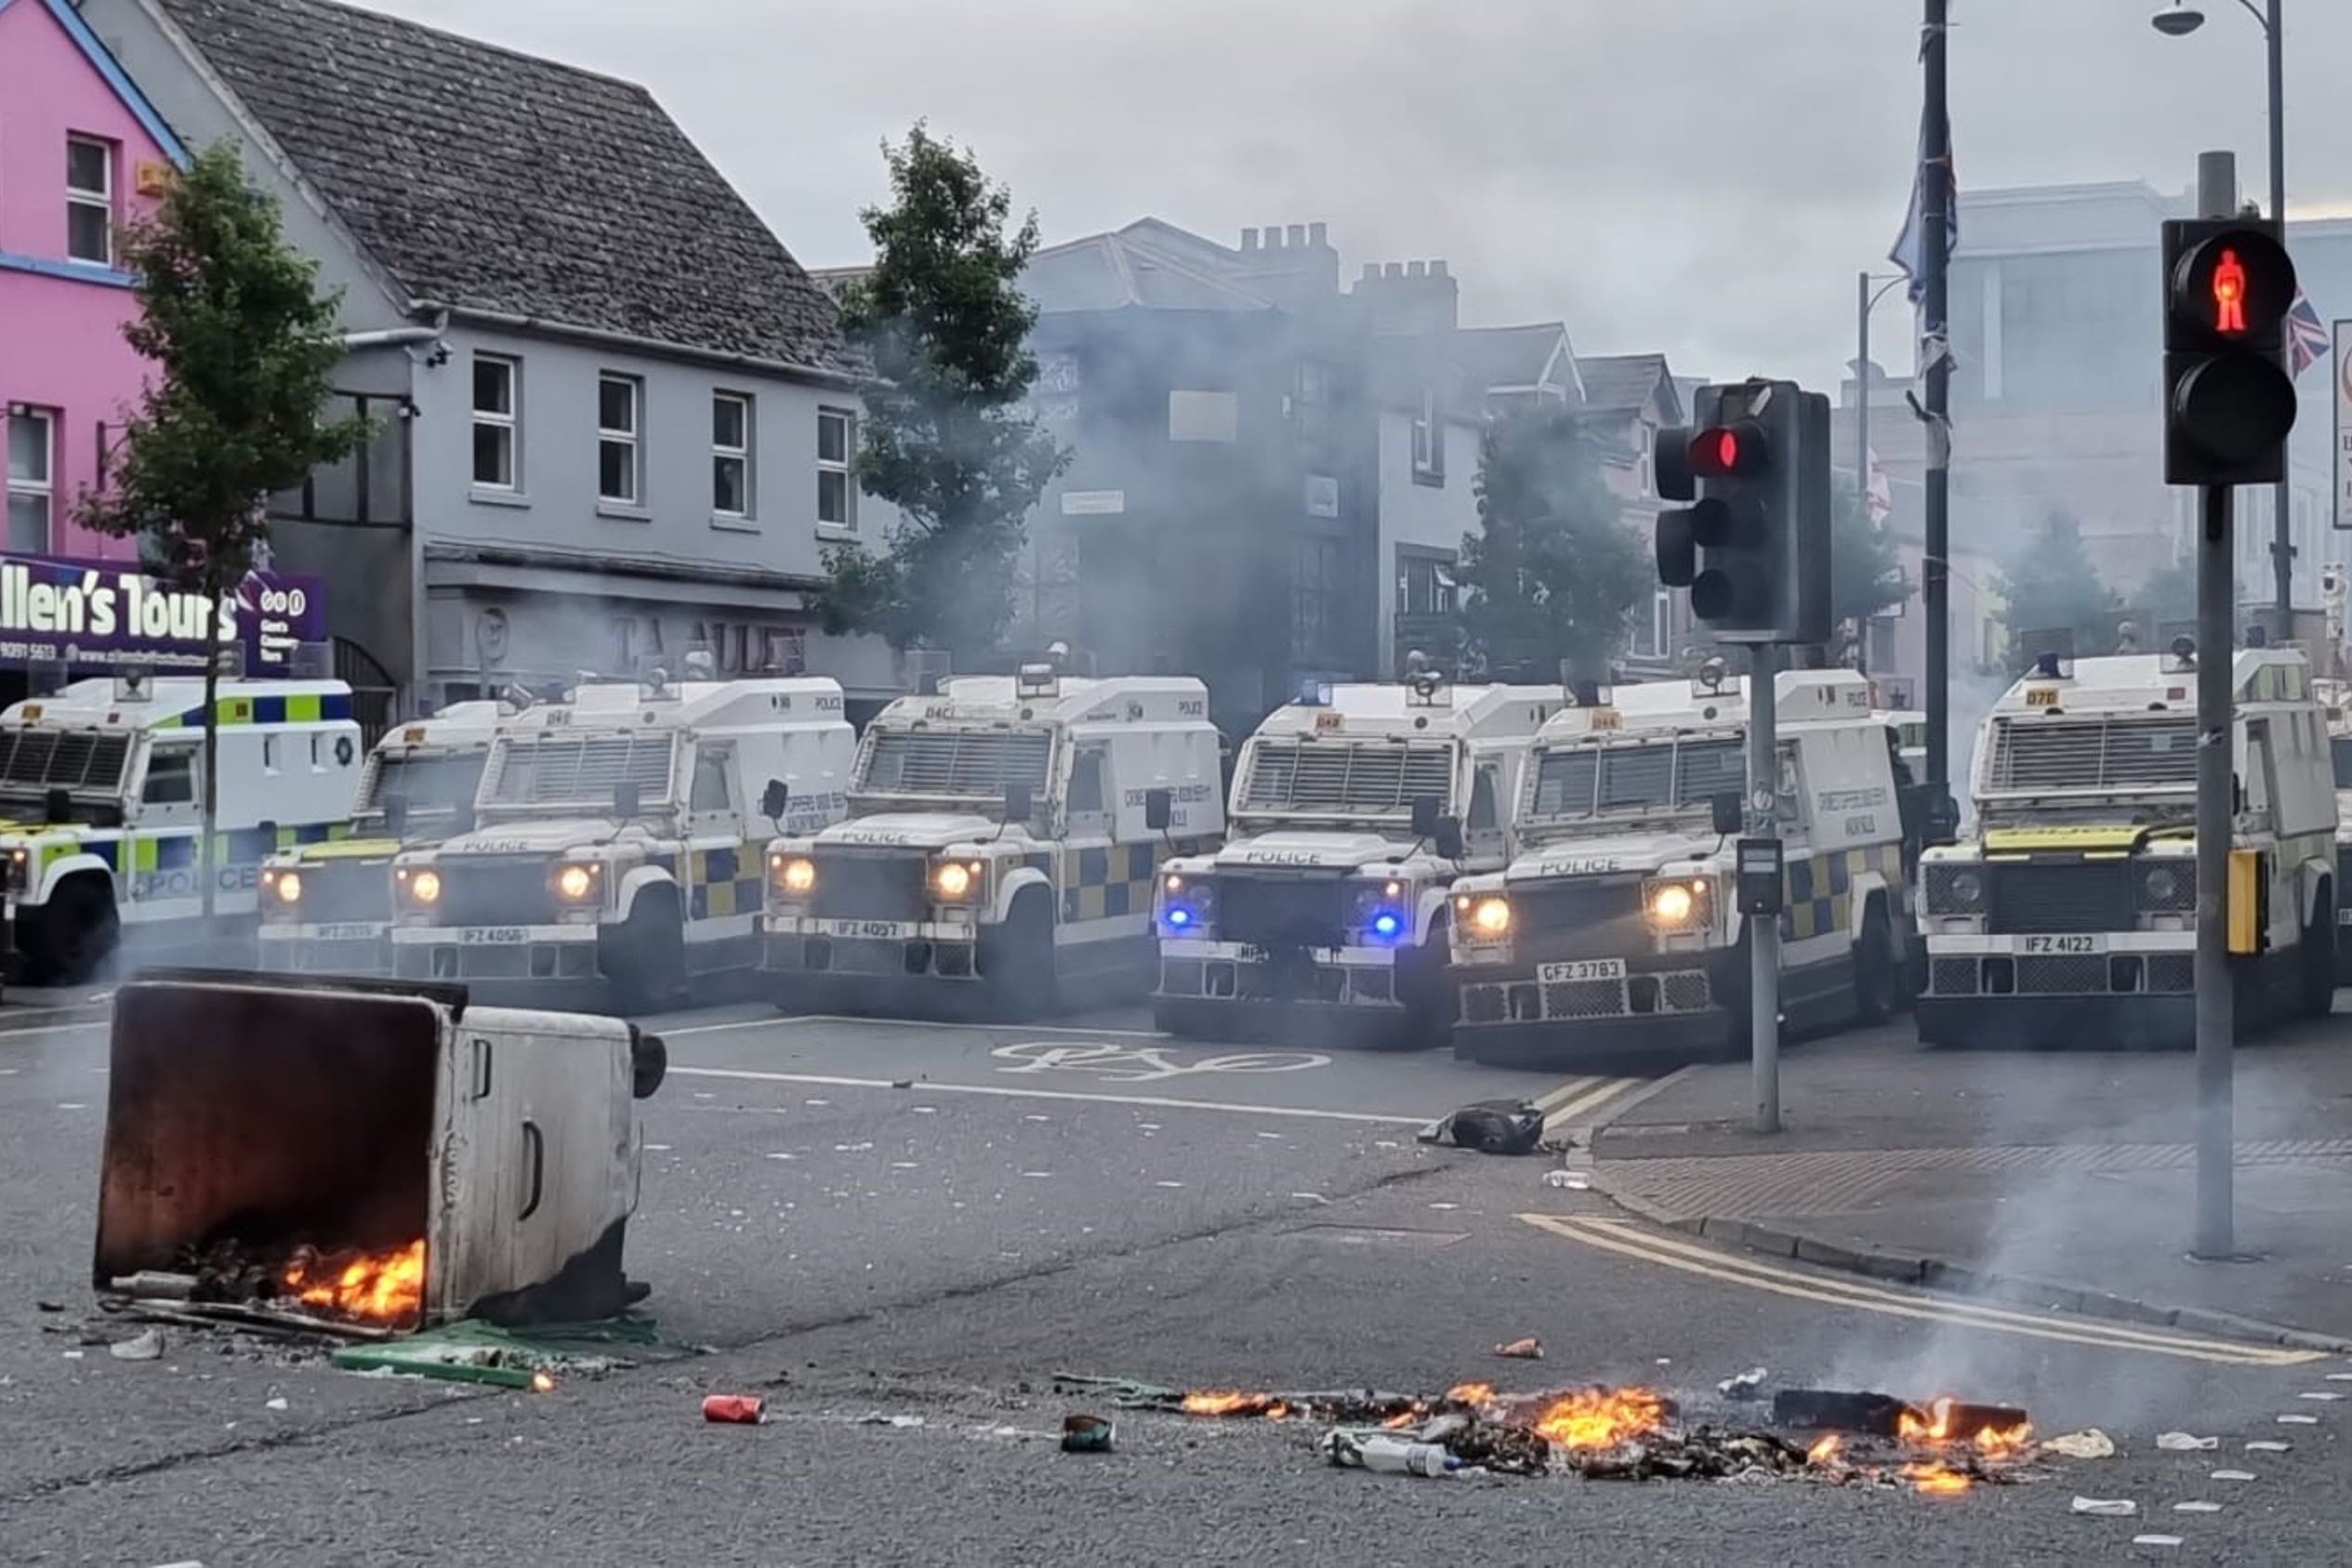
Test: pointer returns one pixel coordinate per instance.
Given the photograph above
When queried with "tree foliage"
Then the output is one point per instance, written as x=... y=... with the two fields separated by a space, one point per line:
x=2168 y=593
x=1552 y=573
x=243 y=347
x=2048 y=584
x=945 y=328
x=1866 y=573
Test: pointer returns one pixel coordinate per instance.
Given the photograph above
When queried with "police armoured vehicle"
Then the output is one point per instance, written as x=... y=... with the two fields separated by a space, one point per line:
x=1354 y=811
x=1003 y=839
x=1616 y=926
x=2071 y=915
x=618 y=836
x=101 y=787
x=327 y=908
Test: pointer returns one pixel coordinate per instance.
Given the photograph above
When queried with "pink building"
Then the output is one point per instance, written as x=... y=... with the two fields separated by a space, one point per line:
x=80 y=153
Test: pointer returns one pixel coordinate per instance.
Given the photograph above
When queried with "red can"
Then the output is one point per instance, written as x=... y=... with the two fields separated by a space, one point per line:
x=742 y=1409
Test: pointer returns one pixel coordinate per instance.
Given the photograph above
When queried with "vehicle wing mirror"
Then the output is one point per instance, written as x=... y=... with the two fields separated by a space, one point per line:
x=1427 y=812
x=1159 y=809
x=1020 y=803
x=396 y=816
x=1724 y=813
x=773 y=800
x=1446 y=833
x=627 y=802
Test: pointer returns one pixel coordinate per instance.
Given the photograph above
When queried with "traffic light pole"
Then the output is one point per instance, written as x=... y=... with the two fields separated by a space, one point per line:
x=2217 y=782
x=1763 y=931
x=1935 y=205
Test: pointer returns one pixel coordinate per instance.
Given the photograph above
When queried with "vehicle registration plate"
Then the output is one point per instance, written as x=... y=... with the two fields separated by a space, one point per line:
x=2062 y=944
x=887 y=931
x=492 y=936
x=1575 y=970
x=347 y=933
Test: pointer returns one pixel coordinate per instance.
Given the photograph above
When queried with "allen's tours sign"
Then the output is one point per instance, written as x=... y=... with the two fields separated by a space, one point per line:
x=100 y=615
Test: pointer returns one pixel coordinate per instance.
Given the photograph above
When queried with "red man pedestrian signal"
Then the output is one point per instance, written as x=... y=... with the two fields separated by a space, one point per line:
x=2230 y=401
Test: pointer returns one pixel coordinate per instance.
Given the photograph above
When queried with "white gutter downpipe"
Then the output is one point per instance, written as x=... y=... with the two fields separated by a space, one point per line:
x=395 y=337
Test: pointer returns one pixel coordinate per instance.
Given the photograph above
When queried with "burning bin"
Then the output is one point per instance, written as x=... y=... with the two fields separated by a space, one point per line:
x=372 y=1151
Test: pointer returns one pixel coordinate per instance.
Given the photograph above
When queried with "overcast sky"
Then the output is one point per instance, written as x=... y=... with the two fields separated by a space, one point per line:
x=1702 y=176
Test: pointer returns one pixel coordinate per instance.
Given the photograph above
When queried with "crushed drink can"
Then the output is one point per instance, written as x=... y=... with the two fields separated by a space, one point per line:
x=741 y=1409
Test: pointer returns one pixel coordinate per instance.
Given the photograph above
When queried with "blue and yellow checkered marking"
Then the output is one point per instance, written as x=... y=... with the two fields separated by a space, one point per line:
x=1106 y=881
x=723 y=882
x=1820 y=889
x=133 y=853
x=311 y=707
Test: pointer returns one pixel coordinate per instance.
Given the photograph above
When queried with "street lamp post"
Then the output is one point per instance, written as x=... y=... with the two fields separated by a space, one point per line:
x=2179 y=21
x=1866 y=301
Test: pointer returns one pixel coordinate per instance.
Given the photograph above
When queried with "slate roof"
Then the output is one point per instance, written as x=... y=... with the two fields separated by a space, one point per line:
x=1511 y=356
x=485 y=179
x=1621 y=381
x=1126 y=269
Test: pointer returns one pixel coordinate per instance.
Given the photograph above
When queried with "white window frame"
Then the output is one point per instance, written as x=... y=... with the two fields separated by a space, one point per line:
x=632 y=439
x=101 y=198
x=722 y=454
x=1661 y=624
x=1429 y=452
x=847 y=522
x=44 y=487
x=511 y=421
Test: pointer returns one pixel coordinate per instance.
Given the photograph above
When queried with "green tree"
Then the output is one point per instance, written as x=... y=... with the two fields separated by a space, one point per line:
x=1553 y=573
x=2048 y=584
x=244 y=348
x=2169 y=593
x=945 y=328
x=1866 y=575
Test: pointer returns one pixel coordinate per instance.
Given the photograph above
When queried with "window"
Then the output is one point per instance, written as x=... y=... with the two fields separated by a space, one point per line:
x=1313 y=409
x=1425 y=585
x=620 y=401
x=731 y=453
x=171 y=777
x=1086 y=783
x=836 y=496
x=710 y=782
x=1315 y=598
x=1429 y=442
x=32 y=478
x=1654 y=634
x=1206 y=416
x=90 y=200
x=498 y=380
x=1485 y=816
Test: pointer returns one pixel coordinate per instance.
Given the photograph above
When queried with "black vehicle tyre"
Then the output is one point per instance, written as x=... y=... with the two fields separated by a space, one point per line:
x=1878 y=985
x=2317 y=957
x=1427 y=993
x=74 y=935
x=645 y=958
x=1016 y=963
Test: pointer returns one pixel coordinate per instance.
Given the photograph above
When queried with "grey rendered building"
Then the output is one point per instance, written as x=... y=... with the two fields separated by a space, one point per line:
x=616 y=414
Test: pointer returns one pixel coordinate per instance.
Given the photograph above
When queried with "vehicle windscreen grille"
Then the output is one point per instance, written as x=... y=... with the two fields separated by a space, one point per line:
x=580 y=770
x=1578 y=780
x=963 y=764
x=79 y=761
x=1282 y=914
x=426 y=783
x=2106 y=754
x=1346 y=778
x=871 y=887
x=2062 y=896
x=493 y=893
x=352 y=892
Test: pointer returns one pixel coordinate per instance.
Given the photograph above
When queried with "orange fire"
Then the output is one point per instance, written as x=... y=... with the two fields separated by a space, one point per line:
x=1997 y=1443
x=1601 y=1417
x=542 y=1384
x=1470 y=1393
x=385 y=1287
x=1228 y=1402
x=1935 y=1480
x=1825 y=1452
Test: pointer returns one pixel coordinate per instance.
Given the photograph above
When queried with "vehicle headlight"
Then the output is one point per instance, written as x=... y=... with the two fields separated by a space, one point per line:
x=1486 y=915
x=956 y=881
x=578 y=882
x=425 y=886
x=1188 y=904
x=793 y=876
x=285 y=886
x=1679 y=905
x=1966 y=889
x=1380 y=910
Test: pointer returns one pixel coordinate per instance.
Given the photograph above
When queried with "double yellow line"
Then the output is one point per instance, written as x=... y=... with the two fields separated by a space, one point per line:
x=1629 y=1238
x=1579 y=1097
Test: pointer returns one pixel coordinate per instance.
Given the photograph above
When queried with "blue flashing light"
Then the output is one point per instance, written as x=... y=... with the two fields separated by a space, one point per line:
x=1388 y=925
x=1178 y=917
x=2047 y=666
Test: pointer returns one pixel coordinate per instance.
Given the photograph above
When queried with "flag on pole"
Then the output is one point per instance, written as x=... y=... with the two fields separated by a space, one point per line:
x=1910 y=253
x=2306 y=335
x=1878 y=491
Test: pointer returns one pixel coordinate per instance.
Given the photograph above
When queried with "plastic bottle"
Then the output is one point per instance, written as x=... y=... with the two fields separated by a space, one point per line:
x=1396 y=1457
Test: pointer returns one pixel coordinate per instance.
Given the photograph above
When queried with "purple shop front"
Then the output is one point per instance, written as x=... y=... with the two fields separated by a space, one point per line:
x=96 y=615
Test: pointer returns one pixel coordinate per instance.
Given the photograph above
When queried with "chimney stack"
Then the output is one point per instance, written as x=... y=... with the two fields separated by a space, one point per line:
x=1410 y=298
x=1248 y=239
x=1318 y=233
x=1297 y=238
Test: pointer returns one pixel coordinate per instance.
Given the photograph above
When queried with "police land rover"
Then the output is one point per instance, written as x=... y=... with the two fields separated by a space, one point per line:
x=2071 y=916
x=1354 y=811
x=2336 y=696
x=327 y=908
x=1616 y=928
x=618 y=834
x=1003 y=836
x=102 y=784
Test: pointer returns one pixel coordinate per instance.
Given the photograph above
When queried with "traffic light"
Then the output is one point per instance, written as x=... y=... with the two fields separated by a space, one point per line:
x=2229 y=399
x=1753 y=548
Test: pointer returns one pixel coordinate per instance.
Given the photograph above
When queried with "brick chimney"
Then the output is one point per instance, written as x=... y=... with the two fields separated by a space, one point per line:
x=1292 y=264
x=1409 y=297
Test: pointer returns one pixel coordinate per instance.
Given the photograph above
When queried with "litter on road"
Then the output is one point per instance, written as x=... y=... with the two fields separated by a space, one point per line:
x=2182 y=1442
x=2115 y=1507
x=2197 y=1508
x=2292 y=1420
x=1745 y=1384
x=1529 y=1349
x=2233 y=1475
x=2267 y=1445
x=1490 y=1126
x=1088 y=1434
x=1569 y=1180
x=2156 y=1540
x=2091 y=1443
x=147 y=1346
x=746 y=1410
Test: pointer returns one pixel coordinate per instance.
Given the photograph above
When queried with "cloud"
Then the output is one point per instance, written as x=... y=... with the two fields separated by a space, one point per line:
x=1697 y=175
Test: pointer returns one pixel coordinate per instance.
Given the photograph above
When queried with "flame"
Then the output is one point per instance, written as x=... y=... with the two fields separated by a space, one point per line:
x=1470 y=1393
x=383 y=1287
x=1937 y=1480
x=1825 y=1452
x=1232 y=1402
x=1277 y=1411
x=542 y=1384
x=1601 y=1417
x=1999 y=1443
x=1399 y=1421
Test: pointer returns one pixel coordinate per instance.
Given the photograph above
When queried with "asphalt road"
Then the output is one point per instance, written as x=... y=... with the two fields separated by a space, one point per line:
x=929 y=1223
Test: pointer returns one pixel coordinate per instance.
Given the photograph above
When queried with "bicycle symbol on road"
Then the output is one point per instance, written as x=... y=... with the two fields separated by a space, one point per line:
x=1142 y=1065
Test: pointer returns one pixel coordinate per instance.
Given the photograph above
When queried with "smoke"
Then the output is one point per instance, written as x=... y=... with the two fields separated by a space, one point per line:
x=1972 y=696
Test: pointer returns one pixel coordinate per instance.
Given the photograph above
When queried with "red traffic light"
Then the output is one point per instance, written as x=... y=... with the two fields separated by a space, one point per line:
x=1728 y=449
x=2234 y=285
x=2229 y=295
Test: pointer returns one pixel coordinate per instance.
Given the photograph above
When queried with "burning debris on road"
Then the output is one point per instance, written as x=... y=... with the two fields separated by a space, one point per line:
x=1632 y=1433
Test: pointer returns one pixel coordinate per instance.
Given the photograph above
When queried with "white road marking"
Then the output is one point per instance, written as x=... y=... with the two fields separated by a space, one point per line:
x=908 y=1023
x=1007 y=1091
